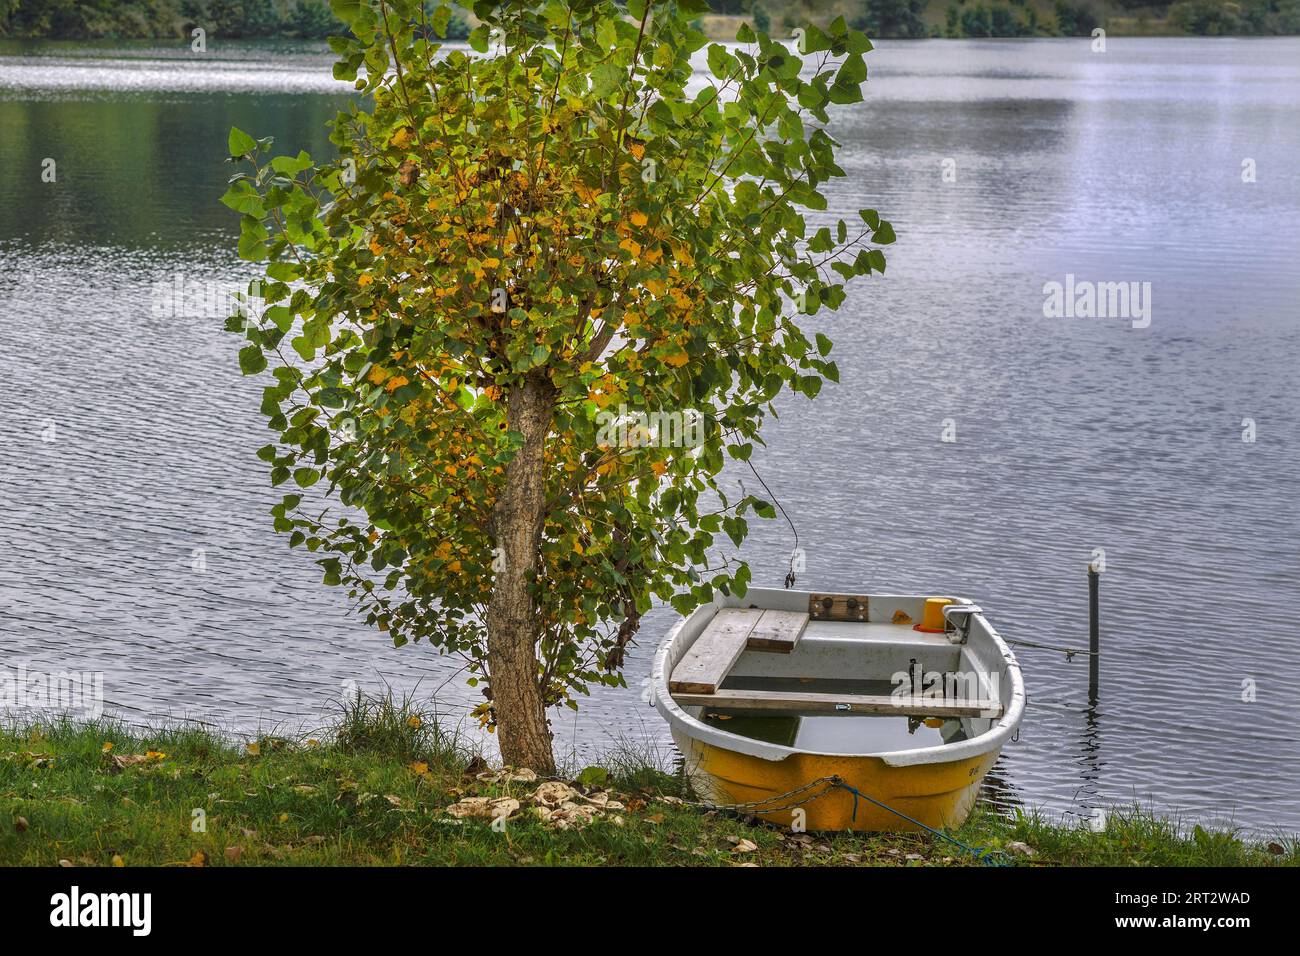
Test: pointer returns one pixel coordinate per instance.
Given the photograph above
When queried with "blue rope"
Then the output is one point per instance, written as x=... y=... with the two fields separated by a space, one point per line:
x=983 y=855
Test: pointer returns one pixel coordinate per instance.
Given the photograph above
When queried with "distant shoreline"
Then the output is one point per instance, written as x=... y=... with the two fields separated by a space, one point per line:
x=310 y=20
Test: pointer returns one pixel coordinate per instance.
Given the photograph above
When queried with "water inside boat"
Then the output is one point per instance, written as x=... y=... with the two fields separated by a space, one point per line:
x=858 y=734
x=831 y=733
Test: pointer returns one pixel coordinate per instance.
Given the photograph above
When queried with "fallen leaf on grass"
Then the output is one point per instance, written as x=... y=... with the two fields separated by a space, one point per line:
x=553 y=793
x=118 y=762
x=198 y=859
x=488 y=807
x=233 y=853
x=744 y=846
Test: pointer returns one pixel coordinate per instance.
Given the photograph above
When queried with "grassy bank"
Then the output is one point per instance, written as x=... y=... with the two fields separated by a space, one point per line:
x=385 y=787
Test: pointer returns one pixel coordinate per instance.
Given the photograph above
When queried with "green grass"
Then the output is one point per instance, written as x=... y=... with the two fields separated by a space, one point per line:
x=374 y=791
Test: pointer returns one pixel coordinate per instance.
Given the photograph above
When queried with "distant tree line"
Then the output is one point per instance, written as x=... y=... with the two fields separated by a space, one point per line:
x=155 y=19
x=313 y=19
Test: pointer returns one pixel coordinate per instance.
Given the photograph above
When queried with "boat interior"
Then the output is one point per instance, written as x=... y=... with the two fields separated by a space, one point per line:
x=788 y=667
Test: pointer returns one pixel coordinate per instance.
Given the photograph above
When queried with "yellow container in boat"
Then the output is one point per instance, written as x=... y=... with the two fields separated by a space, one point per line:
x=932 y=621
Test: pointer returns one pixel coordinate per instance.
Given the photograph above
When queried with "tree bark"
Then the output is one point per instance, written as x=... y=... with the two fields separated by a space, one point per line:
x=513 y=621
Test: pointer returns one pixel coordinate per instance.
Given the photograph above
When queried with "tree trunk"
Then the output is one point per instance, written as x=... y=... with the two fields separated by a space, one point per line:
x=512 y=618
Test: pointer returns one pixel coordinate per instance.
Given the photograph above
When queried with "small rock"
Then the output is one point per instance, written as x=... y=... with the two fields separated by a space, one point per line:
x=1276 y=849
x=914 y=856
x=1022 y=849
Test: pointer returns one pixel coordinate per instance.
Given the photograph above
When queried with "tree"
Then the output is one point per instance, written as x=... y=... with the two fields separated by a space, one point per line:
x=1205 y=17
x=540 y=297
x=893 y=18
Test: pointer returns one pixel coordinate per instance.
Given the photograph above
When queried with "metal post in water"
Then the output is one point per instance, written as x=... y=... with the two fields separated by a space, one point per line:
x=1094 y=630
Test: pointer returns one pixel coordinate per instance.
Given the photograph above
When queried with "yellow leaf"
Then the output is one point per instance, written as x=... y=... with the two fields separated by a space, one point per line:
x=420 y=767
x=108 y=745
x=677 y=359
x=639 y=218
x=254 y=748
x=118 y=861
x=658 y=467
x=365 y=279
x=402 y=138
x=396 y=382
x=414 y=721
x=631 y=245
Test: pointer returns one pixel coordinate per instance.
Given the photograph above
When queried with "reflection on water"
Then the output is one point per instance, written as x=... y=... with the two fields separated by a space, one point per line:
x=1071 y=434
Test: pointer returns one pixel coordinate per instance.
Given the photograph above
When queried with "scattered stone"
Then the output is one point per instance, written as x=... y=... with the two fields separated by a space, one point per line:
x=1021 y=849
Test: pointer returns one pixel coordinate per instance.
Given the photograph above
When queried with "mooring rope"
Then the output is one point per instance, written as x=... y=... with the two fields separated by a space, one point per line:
x=1069 y=652
x=983 y=854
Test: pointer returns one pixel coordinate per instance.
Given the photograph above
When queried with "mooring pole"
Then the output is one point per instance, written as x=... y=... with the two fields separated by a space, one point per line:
x=1094 y=630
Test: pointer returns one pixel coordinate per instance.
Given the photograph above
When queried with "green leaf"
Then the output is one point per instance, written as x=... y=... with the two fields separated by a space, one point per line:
x=593 y=777
x=251 y=360
x=824 y=344
x=241 y=144
x=441 y=17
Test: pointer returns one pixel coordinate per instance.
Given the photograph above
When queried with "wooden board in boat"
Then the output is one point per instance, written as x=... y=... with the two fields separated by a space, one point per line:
x=778 y=631
x=706 y=664
x=860 y=704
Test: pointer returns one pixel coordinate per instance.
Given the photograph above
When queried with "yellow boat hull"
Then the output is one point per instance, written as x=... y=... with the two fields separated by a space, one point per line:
x=936 y=794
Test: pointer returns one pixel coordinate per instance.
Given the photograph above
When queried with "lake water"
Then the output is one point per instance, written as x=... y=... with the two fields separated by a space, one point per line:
x=133 y=530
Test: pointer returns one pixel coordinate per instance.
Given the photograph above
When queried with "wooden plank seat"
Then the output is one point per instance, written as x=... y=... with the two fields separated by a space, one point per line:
x=778 y=631
x=859 y=704
x=732 y=630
